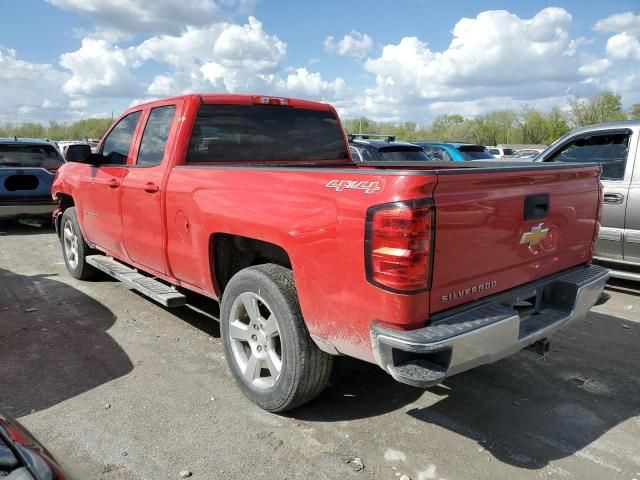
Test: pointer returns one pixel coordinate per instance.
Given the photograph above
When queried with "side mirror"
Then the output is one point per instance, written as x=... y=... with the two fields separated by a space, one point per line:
x=78 y=153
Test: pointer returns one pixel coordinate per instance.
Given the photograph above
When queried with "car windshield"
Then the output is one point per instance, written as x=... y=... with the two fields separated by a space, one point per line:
x=475 y=152
x=257 y=133
x=29 y=155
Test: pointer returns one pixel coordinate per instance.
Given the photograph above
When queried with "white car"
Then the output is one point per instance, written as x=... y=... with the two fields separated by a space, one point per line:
x=501 y=152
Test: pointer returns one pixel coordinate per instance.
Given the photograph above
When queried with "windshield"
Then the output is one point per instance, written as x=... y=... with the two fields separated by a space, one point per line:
x=475 y=152
x=257 y=133
x=25 y=155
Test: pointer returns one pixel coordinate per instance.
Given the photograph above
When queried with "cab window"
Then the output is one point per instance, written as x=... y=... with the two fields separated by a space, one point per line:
x=610 y=150
x=155 y=136
x=115 y=148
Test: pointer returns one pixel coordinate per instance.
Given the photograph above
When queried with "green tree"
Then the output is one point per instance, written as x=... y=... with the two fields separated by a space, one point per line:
x=495 y=127
x=557 y=125
x=604 y=107
x=634 y=112
x=533 y=126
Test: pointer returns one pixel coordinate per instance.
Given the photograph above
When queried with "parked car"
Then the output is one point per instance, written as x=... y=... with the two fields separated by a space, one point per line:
x=456 y=152
x=425 y=270
x=501 y=152
x=22 y=457
x=615 y=147
x=384 y=148
x=27 y=169
x=64 y=145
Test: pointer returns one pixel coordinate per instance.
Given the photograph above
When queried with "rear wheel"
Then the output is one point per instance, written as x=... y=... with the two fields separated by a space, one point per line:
x=269 y=350
x=74 y=248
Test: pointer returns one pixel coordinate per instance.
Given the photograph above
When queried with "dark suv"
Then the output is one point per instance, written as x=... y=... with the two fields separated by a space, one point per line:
x=27 y=170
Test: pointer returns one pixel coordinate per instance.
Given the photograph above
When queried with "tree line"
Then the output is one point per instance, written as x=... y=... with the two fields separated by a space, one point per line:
x=527 y=126
x=80 y=130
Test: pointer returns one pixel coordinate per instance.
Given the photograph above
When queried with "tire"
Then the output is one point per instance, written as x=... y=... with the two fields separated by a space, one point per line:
x=281 y=333
x=74 y=248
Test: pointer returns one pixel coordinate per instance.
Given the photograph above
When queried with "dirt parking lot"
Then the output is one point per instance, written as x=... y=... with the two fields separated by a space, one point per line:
x=121 y=388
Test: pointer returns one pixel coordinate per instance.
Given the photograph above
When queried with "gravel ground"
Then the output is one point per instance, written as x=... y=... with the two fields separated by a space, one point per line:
x=121 y=388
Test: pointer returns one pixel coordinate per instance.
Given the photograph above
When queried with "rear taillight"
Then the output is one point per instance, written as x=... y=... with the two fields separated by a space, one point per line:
x=399 y=245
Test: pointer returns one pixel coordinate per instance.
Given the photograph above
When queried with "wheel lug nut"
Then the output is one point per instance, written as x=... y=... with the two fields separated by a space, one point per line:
x=254 y=337
x=259 y=348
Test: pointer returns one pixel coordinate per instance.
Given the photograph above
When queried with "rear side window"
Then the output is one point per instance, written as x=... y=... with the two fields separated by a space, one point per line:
x=440 y=154
x=475 y=152
x=608 y=150
x=355 y=153
x=115 y=148
x=264 y=133
x=508 y=151
x=156 y=133
x=403 y=154
x=34 y=156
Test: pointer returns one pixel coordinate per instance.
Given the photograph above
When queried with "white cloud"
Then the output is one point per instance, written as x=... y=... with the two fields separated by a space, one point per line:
x=248 y=47
x=597 y=67
x=78 y=103
x=50 y=104
x=25 y=84
x=303 y=83
x=355 y=44
x=154 y=16
x=623 y=46
x=496 y=54
x=620 y=22
x=101 y=69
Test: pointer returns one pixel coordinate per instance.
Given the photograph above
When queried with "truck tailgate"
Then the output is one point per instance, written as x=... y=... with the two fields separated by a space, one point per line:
x=495 y=230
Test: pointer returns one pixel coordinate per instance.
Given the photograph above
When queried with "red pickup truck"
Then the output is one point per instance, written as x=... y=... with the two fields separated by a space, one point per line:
x=426 y=269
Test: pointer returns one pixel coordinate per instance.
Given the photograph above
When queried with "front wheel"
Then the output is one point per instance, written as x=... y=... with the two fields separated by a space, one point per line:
x=267 y=345
x=74 y=248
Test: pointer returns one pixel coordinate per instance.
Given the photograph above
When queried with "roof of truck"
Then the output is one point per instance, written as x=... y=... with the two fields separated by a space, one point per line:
x=599 y=126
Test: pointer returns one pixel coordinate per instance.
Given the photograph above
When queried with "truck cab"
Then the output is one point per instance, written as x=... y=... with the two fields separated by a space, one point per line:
x=615 y=147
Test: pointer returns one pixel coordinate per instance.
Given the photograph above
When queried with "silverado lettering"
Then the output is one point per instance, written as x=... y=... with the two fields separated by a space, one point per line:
x=469 y=291
x=269 y=255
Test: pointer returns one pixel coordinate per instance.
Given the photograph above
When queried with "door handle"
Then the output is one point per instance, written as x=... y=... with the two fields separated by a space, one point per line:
x=113 y=183
x=614 y=198
x=151 y=187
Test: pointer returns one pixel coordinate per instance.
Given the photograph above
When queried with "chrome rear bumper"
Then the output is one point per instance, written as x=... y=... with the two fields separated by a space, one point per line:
x=489 y=330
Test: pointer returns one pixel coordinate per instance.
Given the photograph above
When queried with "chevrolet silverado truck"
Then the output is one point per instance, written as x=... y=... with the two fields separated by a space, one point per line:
x=427 y=269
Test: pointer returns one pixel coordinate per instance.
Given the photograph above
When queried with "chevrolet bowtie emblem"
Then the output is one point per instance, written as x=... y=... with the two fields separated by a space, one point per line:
x=534 y=236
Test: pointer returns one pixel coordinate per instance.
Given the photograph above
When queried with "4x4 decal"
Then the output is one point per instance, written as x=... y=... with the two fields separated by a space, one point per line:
x=367 y=187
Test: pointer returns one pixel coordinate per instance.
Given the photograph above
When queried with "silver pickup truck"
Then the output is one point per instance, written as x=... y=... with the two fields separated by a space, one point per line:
x=615 y=146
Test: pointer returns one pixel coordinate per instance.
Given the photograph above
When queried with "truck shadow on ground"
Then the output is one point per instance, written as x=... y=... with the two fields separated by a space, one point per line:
x=525 y=410
x=13 y=227
x=54 y=343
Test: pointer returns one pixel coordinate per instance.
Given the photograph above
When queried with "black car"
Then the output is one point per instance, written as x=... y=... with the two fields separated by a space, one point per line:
x=22 y=457
x=384 y=148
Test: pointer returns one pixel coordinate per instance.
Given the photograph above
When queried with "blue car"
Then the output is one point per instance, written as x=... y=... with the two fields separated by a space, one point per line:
x=455 y=152
x=27 y=170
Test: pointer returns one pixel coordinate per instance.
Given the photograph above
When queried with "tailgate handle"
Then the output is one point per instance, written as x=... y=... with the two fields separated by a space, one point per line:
x=536 y=207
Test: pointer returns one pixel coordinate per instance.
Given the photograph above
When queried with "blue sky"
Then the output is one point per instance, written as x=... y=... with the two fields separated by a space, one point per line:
x=389 y=60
